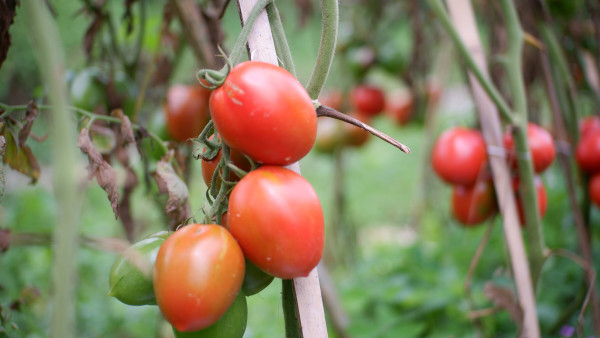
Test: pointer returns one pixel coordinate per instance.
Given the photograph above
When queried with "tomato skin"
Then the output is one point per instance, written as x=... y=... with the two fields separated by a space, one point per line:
x=594 y=189
x=473 y=205
x=459 y=155
x=541 y=147
x=127 y=283
x=231 y=325
x=197 y=275
x=186 y=111
x=276 y=217
x=589 y=124
x=399 y=106
x=587 y=152
x=542 y=198
x=264 y=112
x=369 y=100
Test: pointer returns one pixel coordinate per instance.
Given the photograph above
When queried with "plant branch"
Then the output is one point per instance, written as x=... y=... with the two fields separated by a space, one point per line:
x=329 y=22
x=330 y=112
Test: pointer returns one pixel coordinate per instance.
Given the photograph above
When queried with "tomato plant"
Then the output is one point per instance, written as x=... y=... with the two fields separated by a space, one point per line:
x=87 y=91
x=589 y=124
x=541 y=147
x=399 y=106
x=231 y=325
x=587 y=152
x=264 y=112
x=459 y=155
x=369 y=100
x=542 y=198
x=209 y=167
x=594 y=189
x=186 y=110
x=276 y=216
x=197 y=275
x=473 y=205
x=255 y=280
x=128 y=283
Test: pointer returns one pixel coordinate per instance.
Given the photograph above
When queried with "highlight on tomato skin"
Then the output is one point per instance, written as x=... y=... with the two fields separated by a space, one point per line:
x=264 y=112
x=276 y=217
x=198 y=273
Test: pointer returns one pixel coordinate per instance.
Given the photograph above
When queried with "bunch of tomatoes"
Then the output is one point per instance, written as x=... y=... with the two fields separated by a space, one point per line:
x=460 y=158
x=272 y=222
x=587 y=154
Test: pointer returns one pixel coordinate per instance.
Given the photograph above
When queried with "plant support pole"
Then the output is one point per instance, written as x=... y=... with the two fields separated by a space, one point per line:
x=50 y=59
x=464 y=20
x=306 y=291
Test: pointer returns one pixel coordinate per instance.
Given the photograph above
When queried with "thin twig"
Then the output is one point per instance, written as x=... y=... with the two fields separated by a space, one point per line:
x=330 y=112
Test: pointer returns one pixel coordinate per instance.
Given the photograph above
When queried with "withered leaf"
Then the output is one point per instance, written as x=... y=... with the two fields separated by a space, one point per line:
x=30 y=116
x=177 y=207
x=126 y=130
x=131 y=181
x=505 y=299
x=100 y=169
x=92 y=32
x=7 y=15
x=20 y=158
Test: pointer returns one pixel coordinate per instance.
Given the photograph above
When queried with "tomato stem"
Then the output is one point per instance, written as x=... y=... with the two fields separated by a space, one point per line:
x=282 y=47
x=330 y=112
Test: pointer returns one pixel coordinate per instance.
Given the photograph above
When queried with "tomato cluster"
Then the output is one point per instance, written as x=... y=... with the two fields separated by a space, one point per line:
x=272 y=220
x=459 y=157
x=587 y=154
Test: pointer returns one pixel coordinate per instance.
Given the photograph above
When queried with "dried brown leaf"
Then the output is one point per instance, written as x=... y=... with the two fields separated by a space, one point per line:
x=92 y=32
x=20 y=158
x=131 y=182
x=505 y=299
x=7 y=15
x=177 y=207
x=100 y=169
x=127 y=136
x=30 y=116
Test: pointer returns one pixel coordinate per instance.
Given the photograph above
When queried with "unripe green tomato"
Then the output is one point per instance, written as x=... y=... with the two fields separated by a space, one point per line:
x=231 y=325
x=128 y=283
x=87 y=90
x=255 y=280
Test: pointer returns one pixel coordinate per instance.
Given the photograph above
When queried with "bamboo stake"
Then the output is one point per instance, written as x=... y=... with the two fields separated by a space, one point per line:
x=463 y=18
x=309 y=307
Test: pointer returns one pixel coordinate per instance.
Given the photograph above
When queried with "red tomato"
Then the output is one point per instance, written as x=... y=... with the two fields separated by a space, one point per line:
x=589 y=124
x=459 y=155
x=264 y=112
x=369 y=100
x=473 y=205
x=186 y=110
x=399 y=106
x=594 y=189
x=354 y=136
x=587 y=152
x=541 y=147
x=333 y=98
x=209 y=167
x=542 y=198
x=276 y=216
x=197 y=275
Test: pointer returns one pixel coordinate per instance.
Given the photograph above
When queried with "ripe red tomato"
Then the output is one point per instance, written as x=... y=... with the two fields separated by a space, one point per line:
x=333 y=98
x=186 y=110
x=354 y=136
x=399 y=106
x=209 y=167
x=542 y=198
x=197 y=275
x=473 y=205
x=594 y=189
x=264 y=112
x=459 y=155
x=589 y=124
x=277 y=219
x=541 y=147
x=369 y=100
x=587 y=152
